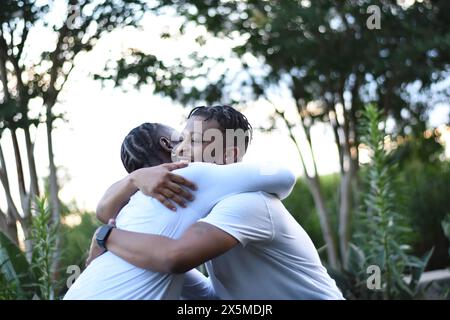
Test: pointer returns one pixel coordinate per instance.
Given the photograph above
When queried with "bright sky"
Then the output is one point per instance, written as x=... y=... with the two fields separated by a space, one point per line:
x=87 y=147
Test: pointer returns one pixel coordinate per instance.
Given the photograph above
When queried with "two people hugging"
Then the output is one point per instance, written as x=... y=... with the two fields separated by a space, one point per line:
x=167 y=218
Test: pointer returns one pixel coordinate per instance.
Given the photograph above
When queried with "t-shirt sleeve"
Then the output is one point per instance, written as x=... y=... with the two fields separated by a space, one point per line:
x=196 y=286
x=216 y=182
x=244 y=216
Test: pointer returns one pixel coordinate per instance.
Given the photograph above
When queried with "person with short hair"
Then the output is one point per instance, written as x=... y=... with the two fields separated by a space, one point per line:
x=252 y=246
x=111 y=277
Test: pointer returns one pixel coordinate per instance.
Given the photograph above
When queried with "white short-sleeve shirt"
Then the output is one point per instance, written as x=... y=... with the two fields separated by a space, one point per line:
x=275 y=258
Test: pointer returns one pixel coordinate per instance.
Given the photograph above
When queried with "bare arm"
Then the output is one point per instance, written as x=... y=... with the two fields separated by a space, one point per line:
x=115 y=198
x=157 y=182
x=200 y=243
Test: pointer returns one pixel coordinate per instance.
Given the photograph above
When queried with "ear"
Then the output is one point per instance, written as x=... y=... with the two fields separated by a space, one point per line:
x=166 y=144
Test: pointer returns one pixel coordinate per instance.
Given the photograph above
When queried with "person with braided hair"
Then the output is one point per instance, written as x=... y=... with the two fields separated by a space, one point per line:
x=148 y=145
x=251 y=245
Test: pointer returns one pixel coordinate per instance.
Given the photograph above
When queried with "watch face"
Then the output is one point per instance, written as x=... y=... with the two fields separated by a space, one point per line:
x=103 y=232
x=102 y=235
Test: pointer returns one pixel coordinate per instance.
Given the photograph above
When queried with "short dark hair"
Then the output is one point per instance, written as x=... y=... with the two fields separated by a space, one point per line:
x=227 y=117
x=141 y=147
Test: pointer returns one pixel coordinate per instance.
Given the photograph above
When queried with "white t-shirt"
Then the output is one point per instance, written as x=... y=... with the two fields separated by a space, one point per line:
x=111 y=277
x=275 y=258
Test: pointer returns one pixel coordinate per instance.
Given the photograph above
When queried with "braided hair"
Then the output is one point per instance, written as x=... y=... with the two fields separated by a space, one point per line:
x=141 y=147
x=227 y=117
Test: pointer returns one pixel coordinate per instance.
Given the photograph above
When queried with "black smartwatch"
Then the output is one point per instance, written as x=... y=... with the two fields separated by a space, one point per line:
x=103 y=234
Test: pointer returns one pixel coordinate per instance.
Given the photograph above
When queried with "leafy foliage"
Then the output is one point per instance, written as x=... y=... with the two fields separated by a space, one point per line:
x=425 y=206
x=382 y=231
x=16 y=278
x=43 y=235
x=32 y=77
x=20 y=279
x=319 y=50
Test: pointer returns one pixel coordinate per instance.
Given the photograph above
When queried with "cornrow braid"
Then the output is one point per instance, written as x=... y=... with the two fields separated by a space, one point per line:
x=141 y=147
x=227 y=117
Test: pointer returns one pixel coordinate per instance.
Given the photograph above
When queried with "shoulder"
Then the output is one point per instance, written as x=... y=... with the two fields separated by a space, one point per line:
x=247 y=206
x=245 y=216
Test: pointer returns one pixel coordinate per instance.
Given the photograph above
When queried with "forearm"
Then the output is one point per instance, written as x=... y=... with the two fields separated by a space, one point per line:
x=146 y=251
x=200 y=243
x=115 y=198
x=268 y=177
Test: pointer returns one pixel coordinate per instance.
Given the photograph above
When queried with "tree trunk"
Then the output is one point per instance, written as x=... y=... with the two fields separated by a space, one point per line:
x=34 y=189
x=325 y=224
x=345 y=212
x=8 y=227
x=319 y=202
x=53 y=178
x=55 y=205
x=9 y=221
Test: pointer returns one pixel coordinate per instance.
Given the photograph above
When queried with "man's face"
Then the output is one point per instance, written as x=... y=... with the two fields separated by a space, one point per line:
x=201 y=141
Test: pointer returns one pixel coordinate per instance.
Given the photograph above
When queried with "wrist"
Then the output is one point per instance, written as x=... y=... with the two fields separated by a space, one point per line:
x=103 y=234
x=132 y=179
x=108 y=241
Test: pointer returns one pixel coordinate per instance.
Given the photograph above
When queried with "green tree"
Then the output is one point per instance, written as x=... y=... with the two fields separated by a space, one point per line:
x=318 y=58
x=24 y=82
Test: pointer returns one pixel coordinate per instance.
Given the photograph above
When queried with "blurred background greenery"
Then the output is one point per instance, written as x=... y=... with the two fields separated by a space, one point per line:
x=425 y=201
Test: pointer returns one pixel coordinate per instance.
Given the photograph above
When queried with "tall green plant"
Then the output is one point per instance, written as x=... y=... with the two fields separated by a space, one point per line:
x=20 y=279
x=381 y=231
x=44 y=238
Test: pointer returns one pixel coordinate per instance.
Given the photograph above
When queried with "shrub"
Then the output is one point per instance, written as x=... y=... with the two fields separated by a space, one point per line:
x=21 y=279
x=381 y=233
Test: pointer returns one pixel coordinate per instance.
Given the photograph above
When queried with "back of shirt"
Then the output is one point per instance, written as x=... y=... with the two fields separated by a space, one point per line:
x=275 y=258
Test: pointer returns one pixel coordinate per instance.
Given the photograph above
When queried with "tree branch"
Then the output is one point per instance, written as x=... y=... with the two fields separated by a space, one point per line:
x=332 y=117
x=4 y=180
x=3 y=223
x=294 y=139
x=19 y=167
x=307 y=132
x=3 y=73
x=25 y=31
x=34 y=190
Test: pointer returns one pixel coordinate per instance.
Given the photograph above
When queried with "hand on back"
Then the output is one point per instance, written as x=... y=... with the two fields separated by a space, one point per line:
x=162 y=184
